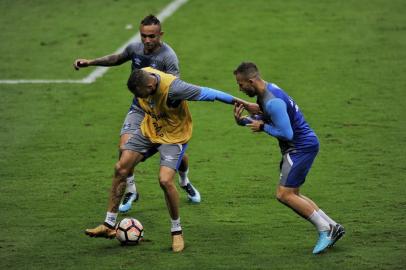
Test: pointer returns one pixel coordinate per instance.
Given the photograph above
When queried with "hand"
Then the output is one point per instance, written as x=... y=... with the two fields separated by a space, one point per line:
x=252 y=108
x=238 y=109
x=80 y=63
x=255 y=125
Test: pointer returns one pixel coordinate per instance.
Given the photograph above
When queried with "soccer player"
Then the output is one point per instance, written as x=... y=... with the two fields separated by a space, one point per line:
x=167 y=128
x=282 y=119
x=151 y=51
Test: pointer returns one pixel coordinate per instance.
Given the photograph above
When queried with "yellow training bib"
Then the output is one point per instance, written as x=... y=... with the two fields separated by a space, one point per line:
x=163 y=124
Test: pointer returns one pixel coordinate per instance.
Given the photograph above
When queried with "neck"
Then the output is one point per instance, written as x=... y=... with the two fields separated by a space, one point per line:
x=260 y=85
x=153 y=50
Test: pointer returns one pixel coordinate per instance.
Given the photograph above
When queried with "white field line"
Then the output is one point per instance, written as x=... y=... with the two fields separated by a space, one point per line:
x=100 y=71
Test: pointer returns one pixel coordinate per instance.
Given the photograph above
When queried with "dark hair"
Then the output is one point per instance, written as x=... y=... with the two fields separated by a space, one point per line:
x=138 y=78
x=150 y=20
x=247 y=69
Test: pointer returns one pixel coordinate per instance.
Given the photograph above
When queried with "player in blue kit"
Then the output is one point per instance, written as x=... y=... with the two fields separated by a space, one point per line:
x=282 y=119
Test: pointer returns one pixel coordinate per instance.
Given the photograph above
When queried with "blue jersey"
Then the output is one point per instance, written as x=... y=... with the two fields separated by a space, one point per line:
x=303 y=139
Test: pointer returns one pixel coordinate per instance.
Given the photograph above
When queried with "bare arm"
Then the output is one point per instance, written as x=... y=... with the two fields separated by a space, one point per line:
x=106 y=61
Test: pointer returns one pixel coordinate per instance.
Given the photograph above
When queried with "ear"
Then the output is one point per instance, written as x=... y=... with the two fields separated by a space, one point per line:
x=152 y=83
x=161 y=33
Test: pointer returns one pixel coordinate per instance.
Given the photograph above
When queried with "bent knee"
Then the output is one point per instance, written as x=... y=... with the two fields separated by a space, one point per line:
x=121 y=171
x=165 y=182
x=283 y=196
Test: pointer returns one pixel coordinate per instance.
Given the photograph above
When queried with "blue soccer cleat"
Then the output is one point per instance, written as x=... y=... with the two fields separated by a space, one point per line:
x=192 y=193
x=324 y=241
x=129 y=198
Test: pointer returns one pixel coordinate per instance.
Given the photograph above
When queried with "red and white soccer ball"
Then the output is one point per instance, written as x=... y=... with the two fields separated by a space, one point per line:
x=129 y=231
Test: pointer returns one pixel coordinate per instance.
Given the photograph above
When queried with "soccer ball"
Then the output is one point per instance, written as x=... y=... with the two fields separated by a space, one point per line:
x=129 y=231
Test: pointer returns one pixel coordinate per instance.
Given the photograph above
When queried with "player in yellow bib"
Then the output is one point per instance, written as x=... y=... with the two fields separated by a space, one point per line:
x=167 y=128
x=163 y=123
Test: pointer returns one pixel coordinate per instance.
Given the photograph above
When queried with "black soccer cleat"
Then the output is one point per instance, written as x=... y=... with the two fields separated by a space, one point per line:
x=338 y=232
x=129 y=198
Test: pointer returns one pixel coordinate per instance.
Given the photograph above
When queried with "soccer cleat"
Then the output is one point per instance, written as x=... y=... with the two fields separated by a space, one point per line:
x=192 y=193
x=129 y=198
x=338 y=233
x=325 y=239
x=177 y=242
x=103 y=230
x=323 y=243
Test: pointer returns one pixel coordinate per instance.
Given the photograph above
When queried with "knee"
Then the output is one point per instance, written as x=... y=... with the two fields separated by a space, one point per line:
x=165 y=183
x=283 y=196
x=120 y=171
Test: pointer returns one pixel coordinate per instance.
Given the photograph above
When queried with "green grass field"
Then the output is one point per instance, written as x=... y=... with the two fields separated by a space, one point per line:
x=344 y=62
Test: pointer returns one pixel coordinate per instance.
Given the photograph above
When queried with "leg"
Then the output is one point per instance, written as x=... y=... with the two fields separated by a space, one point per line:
x=123 y=167
x=130 y=126
x=167 y=184
x=338 y=229
x=171 y=156
x=316 y=208
x=294 y=168
x=184 y=164
x=127 y=160
x=192 y=193
x=131 y=194
x=289 y=197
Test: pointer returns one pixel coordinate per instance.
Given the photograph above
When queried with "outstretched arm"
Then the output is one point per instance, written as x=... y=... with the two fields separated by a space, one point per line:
x=180 y=90
x=106 y=61
x=213 y=94
x=281 y=126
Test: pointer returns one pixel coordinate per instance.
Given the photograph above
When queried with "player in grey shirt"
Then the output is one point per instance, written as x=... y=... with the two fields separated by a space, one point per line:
x=150 y=52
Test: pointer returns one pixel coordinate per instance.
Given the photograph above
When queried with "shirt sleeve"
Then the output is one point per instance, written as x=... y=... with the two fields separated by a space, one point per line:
x=180 y=90
x=209 y=94
x=281 y=126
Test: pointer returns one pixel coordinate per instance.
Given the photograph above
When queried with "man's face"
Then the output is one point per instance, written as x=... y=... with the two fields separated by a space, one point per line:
x=151 y=37
x=143 y=92
x=246 y=85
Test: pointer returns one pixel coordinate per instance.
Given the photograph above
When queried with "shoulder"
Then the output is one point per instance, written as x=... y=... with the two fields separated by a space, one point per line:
x=168 y=51
x=275 y=105
x=135 y=47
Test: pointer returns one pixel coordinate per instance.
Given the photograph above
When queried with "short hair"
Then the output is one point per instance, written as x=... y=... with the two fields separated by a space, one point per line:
x=138 y=78
x=150 y=20
x=247 y=69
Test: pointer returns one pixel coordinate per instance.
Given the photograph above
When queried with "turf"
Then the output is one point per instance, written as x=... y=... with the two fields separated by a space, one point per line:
x=342 y=61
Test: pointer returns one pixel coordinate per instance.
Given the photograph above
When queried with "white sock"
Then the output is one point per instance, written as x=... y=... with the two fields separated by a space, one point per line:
x=175 y=225
x=326 y=218
x=320 y=223
x=183 y=178
x=131 y=184
x=111 y=218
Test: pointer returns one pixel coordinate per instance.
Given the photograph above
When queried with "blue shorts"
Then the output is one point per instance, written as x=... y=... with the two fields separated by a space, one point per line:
x=294 y=167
